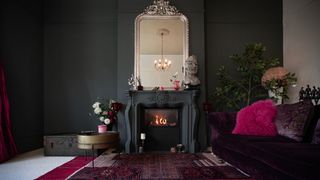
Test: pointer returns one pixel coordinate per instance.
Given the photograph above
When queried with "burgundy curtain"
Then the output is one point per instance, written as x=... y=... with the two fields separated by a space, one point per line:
x=7 y=146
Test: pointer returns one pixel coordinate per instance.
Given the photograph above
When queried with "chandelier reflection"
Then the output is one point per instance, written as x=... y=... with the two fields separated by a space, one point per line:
x=162 y=64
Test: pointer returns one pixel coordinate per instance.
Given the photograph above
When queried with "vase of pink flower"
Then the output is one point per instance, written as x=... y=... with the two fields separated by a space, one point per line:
x=277 y=81
x=107 y=112
x=176 y=85
x=174 y=80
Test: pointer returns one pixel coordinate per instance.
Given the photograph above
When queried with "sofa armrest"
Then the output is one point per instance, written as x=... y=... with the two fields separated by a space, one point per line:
x=221 y=123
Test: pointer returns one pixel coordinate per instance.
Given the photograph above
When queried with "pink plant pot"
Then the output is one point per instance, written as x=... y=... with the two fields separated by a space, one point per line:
x=102 y=128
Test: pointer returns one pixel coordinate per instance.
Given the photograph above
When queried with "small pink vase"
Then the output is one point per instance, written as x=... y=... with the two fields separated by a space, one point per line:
x=176 y=85
x=102 y=128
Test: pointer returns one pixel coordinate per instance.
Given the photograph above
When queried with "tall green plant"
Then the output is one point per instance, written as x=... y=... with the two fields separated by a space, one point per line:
x=235 y=92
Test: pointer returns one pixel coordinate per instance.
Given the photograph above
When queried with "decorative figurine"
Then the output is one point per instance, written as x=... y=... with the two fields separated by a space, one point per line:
x=191 y=70
x=313 y=92
x=301 y=94
x=307 y=94
x=317 y=98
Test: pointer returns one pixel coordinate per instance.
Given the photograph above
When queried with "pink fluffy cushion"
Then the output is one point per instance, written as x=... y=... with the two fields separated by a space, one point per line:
x=257 y=119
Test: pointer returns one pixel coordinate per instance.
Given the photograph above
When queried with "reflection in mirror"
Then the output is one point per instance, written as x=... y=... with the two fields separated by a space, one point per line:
x=161 y=43
x=162 y=64
x=161 y=47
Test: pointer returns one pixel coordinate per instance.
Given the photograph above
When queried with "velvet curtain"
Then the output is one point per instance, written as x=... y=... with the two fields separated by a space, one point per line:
x=7 y=146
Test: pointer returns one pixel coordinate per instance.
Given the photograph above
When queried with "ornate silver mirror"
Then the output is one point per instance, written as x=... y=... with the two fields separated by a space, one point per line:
x=161 y=45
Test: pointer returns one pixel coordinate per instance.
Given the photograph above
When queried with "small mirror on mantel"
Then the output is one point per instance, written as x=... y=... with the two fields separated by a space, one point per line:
x=161 y=45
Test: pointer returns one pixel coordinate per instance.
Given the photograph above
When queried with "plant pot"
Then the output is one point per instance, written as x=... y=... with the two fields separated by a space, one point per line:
x=102 y=128
x=277 y=99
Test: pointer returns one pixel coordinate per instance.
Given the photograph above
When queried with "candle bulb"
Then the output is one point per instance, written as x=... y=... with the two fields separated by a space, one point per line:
x=142 y=136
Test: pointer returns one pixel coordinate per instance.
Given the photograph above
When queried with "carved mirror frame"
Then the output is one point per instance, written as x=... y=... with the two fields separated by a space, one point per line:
x=161 y=10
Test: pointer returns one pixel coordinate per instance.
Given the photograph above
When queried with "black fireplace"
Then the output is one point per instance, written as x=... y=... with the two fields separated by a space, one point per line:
x=162 y=128
x=167 y=118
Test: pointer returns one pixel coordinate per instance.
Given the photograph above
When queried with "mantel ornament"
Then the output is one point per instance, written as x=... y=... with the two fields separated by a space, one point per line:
x=161 y=7
x=191 y=70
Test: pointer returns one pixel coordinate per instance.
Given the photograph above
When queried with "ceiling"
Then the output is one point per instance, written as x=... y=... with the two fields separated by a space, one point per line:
x=150 y=40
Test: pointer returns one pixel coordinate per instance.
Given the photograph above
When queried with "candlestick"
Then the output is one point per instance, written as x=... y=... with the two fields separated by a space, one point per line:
x=140 y=149
x=142 y=136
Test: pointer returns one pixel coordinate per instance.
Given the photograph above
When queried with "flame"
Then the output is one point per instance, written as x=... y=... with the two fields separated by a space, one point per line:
x=160 y=120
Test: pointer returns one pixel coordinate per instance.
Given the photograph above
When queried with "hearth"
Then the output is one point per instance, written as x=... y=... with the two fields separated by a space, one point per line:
x=162 y=128
x=167 y=118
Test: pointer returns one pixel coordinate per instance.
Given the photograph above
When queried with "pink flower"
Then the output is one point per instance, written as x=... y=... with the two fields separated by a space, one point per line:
x=277 y=73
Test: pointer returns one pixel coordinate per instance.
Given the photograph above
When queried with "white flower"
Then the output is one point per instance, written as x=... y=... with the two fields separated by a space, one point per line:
x=107 y=121
x=131 y=80
x=97 y=110
x=175 y=75
x=101 y=119
x=96 y=105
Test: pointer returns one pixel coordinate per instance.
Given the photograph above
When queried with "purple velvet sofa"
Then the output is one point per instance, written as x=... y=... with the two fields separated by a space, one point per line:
x=267 y=157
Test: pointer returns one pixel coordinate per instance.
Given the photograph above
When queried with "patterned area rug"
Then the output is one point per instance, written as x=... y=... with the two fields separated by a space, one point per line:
x=161 y=166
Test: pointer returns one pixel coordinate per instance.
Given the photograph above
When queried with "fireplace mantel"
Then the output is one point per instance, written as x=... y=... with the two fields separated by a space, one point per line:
x=186 y=100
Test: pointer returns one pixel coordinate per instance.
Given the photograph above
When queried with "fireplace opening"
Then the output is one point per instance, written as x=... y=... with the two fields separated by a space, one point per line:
x=161 y=117
x=162 y=128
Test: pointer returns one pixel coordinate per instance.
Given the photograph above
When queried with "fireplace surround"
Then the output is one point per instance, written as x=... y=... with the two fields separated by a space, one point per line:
x=178 y=114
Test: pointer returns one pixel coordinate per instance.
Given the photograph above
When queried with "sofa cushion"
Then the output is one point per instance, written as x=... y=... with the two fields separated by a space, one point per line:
x=311 y=126
x=292 y=119
x=316 y=135
x=295 y=160
x=257 y=119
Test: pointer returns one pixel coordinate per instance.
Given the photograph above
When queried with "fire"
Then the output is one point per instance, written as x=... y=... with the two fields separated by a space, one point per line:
x=160 y=120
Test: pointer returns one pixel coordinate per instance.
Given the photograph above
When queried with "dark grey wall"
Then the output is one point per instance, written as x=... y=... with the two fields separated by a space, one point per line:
x=80 y=62
x=21 y=44
x=230 y=24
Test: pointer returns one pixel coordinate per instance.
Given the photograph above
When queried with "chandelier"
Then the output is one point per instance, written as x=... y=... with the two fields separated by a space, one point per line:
x=162 y=64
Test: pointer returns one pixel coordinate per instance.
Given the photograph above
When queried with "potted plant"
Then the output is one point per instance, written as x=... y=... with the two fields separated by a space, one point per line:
x=107 y=113
x=175 y=82
x=277 y=80
x=237 y=91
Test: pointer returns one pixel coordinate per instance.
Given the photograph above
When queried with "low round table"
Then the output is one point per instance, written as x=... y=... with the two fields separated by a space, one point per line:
x=93 y=141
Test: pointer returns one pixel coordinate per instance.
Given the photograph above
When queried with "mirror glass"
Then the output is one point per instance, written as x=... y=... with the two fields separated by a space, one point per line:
x=161 y=47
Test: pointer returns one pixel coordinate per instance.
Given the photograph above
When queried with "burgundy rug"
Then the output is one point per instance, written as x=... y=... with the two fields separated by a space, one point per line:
x=65 y=170
x=161 y=166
